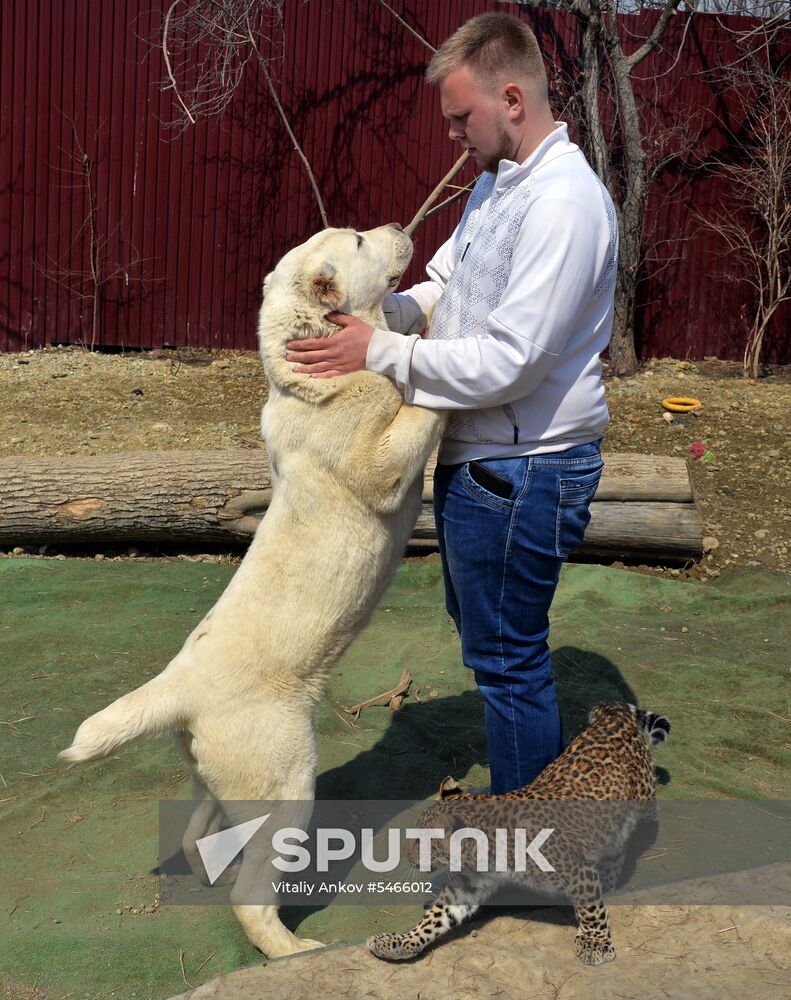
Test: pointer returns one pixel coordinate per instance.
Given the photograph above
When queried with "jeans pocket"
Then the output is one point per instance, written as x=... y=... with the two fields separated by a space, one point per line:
x=575 y=495
x=490 y=481
x=485 y=482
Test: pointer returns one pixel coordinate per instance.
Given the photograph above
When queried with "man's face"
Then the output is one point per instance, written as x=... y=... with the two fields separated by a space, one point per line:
x=477 y=119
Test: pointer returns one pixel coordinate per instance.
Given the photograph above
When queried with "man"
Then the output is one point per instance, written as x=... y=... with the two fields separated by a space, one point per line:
x=524 y=293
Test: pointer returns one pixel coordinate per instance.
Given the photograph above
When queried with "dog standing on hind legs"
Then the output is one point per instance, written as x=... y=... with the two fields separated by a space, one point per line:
x=347 y=458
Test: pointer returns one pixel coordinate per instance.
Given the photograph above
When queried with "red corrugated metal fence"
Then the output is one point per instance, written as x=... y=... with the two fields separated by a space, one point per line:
x=183 y=226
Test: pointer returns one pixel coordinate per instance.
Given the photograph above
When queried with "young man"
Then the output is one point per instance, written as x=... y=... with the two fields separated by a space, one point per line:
x=524 y=293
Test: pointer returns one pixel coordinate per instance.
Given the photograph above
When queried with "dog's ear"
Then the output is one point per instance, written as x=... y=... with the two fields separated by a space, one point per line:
x=267 y=282
x=324 y=286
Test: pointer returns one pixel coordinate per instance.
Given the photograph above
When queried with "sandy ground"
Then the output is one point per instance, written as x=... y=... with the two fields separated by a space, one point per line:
x=669 y=952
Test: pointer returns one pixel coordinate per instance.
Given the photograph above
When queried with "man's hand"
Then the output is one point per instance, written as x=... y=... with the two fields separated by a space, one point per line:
x=340 y=354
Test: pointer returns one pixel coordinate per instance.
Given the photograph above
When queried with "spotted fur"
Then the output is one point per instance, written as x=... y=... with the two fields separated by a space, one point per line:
x=608 y=762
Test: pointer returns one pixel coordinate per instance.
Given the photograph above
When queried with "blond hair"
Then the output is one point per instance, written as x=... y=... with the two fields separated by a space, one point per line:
x=493 y=47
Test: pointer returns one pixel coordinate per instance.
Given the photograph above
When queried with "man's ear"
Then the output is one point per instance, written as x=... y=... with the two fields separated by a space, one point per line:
x=324 y=286
x=513 y=96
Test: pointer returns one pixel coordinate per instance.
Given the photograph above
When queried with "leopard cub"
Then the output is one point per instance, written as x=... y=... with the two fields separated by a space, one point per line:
x=608 y=762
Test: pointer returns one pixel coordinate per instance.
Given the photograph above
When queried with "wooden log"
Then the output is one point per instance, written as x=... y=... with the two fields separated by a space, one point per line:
x=167 y=497
x=641 y=530
x=629 y=478
x=652 y=478
x=644 y=530
x=644 y=507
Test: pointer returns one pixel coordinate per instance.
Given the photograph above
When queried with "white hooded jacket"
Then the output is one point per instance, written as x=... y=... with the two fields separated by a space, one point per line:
x=524 y=292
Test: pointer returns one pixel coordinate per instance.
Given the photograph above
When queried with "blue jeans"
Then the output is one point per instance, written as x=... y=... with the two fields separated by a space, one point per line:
x=505 y=527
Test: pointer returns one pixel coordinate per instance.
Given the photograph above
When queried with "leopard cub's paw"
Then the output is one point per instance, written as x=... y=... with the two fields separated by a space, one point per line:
x=594 y=950
x=391 y=947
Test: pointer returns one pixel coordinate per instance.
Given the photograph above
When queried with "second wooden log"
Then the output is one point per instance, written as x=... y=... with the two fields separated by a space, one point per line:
x=644 y=507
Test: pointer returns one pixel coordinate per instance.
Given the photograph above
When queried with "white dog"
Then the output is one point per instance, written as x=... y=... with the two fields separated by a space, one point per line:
x=347 y=458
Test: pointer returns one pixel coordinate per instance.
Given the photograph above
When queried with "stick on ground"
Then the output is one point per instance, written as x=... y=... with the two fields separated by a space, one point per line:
x=393 y=697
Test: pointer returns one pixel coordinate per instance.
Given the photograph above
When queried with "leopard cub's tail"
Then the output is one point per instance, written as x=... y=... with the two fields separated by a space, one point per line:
x=655 y=727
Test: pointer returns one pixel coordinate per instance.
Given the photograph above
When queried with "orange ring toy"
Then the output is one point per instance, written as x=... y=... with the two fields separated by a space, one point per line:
x=680 y=404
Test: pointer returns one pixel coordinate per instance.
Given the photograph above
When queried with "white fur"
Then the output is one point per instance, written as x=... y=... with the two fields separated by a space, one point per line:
x=347 y=458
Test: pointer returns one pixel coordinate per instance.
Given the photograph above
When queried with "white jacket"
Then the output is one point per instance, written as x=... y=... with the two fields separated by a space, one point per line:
x=524 y=292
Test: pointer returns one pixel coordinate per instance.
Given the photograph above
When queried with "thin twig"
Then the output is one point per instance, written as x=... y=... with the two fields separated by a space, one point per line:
x=421 y=212
x=167 y=60
x=204 y=962
x=410 y=29
x=40 y=820
x=287 y=126
x=183 y=974
x=449 y=201
x=344 y=721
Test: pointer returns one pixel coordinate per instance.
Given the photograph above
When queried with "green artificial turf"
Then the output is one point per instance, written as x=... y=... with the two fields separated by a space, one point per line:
x=79 y=844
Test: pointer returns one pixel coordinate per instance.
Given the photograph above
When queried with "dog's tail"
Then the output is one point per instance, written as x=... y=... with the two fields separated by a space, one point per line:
x=150 y=709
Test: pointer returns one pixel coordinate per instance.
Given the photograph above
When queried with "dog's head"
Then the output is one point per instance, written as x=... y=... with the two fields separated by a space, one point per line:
x=343 y=270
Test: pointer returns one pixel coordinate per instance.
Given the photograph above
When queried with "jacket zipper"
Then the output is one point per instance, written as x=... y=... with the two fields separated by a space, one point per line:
x=511 y=415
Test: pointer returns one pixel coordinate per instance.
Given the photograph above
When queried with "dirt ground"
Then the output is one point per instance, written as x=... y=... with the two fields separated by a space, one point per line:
x=663 y=953
x=68 y=401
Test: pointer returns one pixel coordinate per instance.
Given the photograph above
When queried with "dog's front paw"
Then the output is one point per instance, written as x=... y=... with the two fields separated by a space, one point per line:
x=393 y=947
x=594 y=950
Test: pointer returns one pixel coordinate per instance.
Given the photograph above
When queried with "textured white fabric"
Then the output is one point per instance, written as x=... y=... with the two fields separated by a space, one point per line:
x=524 y=293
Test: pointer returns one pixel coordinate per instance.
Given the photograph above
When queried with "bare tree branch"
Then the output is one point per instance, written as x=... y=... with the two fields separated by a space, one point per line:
x=423 y=210
x=435 y=209
x=227 y=29
x=287 y=126
x=408 y=27
x=212 y=42
x=166 y=57
x=656 y=35
x=89 y=285
x=755 y=224
x=590 y=92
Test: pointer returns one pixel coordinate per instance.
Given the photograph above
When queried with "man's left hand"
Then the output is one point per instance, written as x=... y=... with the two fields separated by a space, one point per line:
x=340 y=354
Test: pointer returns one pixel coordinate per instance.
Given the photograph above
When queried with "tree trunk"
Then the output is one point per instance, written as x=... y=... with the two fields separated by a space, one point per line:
x=623 y=357
x=622 y=354
x=644 y=507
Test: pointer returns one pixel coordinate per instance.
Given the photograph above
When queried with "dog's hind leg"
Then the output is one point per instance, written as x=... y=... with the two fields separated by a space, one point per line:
x=207 y=819
x=263 y=927
x=260 y=921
